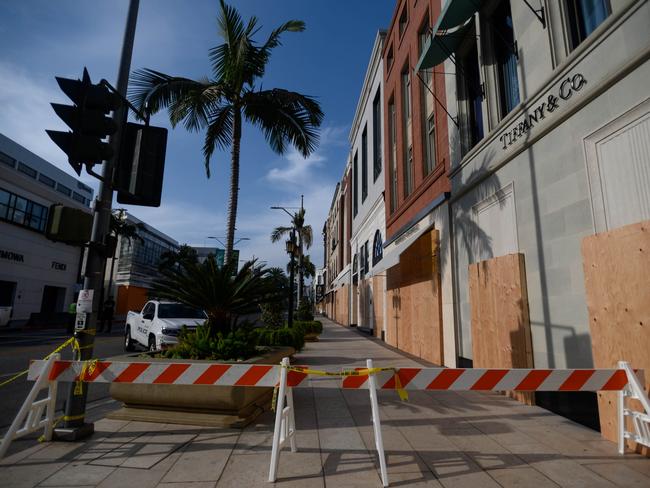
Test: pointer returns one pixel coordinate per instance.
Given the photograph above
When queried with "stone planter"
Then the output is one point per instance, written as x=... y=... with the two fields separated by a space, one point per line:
x=195 y=404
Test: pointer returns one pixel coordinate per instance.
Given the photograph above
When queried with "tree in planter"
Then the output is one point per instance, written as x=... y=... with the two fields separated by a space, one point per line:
x=218 y=104
x=305 y=239
x=222 y=294
x=273 y=311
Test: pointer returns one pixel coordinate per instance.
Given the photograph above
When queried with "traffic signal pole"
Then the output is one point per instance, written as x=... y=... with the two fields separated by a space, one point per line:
x=75 y=427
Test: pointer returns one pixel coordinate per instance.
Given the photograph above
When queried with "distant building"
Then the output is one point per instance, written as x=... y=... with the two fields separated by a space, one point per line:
x=129 y=278
x=37 y=276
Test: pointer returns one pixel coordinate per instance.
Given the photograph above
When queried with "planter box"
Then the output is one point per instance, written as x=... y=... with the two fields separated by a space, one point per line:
x=195 y=404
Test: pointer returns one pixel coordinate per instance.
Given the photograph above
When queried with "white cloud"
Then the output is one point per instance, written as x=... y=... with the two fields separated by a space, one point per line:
x=297 y=170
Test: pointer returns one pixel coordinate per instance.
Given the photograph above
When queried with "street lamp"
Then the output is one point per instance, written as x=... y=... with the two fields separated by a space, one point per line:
x=219 y=240
x=291 y=250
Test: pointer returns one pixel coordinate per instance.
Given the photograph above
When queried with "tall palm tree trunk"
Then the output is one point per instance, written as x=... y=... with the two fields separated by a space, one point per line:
x=234 y=184
x=301 y=278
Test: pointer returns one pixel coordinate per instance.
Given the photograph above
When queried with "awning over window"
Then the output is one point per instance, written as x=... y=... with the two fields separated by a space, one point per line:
x=454 y=14
x=440 y=47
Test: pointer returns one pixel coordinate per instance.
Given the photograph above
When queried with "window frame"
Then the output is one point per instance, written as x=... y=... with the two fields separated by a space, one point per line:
x=376 y=135
x=355 y=181
x=406 y=86
x=364 y=164
x=573 y=29
x=392 y=129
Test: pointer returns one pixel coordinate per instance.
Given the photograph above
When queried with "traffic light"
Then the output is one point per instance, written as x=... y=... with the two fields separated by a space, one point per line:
x=141 y=165
x=88 y=121
x=70 y=225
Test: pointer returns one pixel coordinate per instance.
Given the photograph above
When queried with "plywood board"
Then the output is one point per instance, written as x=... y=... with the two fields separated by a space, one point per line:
x=414 y=307
x=617 y=283
x=501 y=335
x=379 y=296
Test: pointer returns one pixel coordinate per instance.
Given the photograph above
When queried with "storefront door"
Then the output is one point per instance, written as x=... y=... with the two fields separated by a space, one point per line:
x=53 y=299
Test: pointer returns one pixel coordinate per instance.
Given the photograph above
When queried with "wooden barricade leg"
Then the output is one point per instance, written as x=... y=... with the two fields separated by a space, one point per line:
x=285 y=423
x=379 y=441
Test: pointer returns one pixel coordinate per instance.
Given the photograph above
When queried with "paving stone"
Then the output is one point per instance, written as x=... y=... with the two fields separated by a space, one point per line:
x=78 y=474
x=28 y=475
x=568 y=473
x=620 y=474
x=194 y=484
x=140 y=478
x=521 y=477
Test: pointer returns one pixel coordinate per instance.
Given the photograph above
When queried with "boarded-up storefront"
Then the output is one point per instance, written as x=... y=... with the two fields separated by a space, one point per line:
x=413 y=308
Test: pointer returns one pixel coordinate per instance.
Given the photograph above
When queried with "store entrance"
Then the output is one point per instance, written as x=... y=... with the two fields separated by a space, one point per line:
x=7 y=293
x=53 y=299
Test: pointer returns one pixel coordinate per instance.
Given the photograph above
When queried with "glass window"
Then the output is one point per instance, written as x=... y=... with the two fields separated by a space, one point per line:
x=403 y=20
x=83 y=187
x=355 y=180
x=179 y=311
x=470 y=94
x=20 y=210
x=377 y=248
x=366 y=260
x=46 y=180
x=428 y=121
x=392 y=128
x=8 y=160
x=406 y=130
x=77 y=197
x=28 y=170
x=503 y=40
x=584 y=17
x=5 y=198
x=376 y=135
x=390 y=58
x=63 y=189
x=364 y=164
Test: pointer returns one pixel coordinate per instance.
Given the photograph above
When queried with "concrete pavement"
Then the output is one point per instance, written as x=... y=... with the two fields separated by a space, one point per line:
x=438 y=439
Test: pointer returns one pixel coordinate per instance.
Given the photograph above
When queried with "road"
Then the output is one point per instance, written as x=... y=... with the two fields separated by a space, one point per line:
x=18 y=347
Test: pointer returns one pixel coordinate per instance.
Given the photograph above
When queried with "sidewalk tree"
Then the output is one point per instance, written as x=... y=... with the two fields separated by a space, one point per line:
x=305 y=240
x=218 y=104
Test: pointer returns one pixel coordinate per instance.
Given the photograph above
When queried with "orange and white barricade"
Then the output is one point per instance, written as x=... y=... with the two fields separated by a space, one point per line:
x=284 y=378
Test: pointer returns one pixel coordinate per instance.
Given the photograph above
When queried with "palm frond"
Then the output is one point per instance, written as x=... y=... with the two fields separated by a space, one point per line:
x=279 y=232
x=285 y=117
x=218 y=134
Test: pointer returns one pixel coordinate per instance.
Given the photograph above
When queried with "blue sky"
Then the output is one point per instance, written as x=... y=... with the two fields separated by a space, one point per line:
x=41 y=39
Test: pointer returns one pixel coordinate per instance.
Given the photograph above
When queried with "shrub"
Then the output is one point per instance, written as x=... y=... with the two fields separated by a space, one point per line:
x=304 y=312
x=310 y=326
x=201 y=344
x=281 y=336
x=272 y=314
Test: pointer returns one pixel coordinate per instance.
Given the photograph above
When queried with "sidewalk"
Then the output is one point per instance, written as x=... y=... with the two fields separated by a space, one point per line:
x=437 y=439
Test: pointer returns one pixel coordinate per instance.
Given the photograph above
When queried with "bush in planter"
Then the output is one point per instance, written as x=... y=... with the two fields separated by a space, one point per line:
x=310 y=326
x=281 y=336
x=200 y=344
x=272 y=314
x=224 y=294
x=304 y=312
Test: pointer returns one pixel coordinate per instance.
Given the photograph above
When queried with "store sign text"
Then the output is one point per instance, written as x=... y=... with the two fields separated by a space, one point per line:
x=568 y=87
x=59 y=266
x=12 y=256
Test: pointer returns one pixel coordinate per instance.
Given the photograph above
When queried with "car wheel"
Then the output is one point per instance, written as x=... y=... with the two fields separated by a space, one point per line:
x=129 y=345
x=152 y=343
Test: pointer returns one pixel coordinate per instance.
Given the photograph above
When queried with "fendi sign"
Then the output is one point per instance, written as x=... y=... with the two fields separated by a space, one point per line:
x=568 y=87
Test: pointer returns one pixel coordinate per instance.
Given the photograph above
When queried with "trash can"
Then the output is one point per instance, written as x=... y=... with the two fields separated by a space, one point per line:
x=5 y=315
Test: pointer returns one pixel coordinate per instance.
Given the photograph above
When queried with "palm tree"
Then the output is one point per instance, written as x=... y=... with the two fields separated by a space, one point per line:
x=222 y=292
x=307 y=268
x=305 y=239
x=218 y=104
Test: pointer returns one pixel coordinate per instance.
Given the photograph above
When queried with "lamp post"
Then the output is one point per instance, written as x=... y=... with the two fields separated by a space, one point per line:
x=291 y=249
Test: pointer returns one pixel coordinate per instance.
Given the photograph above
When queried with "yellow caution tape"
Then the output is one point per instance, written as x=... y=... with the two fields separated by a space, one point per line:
x=64 y=418
x=88 y=368
x=403 y=395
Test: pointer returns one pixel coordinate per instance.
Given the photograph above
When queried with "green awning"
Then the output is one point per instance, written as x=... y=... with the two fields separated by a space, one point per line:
x=440 y=47
x=455 y=13
x=442 y=43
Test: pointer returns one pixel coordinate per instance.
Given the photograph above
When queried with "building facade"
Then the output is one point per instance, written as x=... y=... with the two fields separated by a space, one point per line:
x=129 y=276
x=549 y=144
x=368 y=216
x=38 y=277
x=416 y=265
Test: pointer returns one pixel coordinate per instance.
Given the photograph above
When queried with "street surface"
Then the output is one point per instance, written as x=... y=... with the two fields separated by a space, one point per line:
x=19 y=346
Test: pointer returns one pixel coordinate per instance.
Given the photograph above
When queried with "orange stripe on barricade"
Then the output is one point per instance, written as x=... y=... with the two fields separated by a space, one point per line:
x=576 y=380
x=354 y=381
x=489 y=379
x=445 y=379
x=131 y=372
x=212 y=374
x=171 y=373
x=253 y=375
x=405 y=376
x=533 y=379
x=294 y=378
x=58 y=367
x=616 y=382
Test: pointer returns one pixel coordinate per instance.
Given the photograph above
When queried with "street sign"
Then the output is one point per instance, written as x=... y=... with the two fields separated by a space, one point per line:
x=85 y=301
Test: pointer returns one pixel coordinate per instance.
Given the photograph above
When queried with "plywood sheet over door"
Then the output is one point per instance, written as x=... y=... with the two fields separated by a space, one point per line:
x=617 y=282
x=501 y=335
x=413 y=309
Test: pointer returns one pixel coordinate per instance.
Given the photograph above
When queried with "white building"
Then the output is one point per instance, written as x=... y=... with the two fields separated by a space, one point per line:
x=549 y=143
x=368 y=215
x=37 y=276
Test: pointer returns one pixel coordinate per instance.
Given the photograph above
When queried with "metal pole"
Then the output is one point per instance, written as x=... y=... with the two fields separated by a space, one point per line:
x=75 y=426
x=291 y=279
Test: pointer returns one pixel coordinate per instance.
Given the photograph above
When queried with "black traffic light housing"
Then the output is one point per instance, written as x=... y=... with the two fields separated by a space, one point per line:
x=69 y=225
x=141 y=165
x=88 y=121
